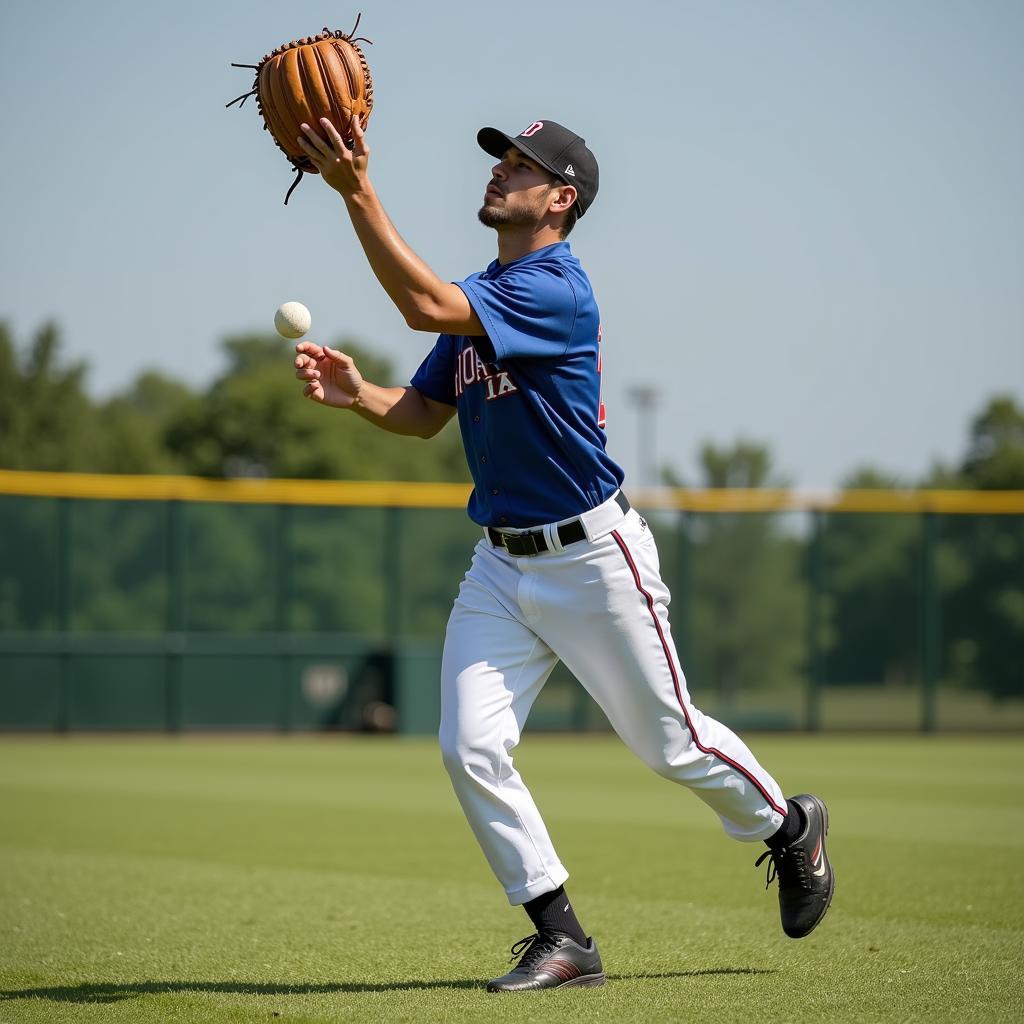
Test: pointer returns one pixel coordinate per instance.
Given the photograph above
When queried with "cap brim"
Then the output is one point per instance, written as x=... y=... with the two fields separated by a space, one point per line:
x=496 y=143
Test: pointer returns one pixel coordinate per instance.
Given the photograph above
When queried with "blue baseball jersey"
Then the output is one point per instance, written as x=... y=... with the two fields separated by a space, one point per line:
x=528 y=394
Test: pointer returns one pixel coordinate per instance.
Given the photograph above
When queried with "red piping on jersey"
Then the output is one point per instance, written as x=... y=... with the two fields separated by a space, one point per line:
x=675 y=679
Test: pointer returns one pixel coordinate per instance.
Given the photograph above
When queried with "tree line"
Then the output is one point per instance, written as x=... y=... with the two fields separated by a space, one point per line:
x=248 y=421
x=745 y=626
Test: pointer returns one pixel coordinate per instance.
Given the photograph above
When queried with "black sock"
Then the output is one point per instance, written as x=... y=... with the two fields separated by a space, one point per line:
x=792 y=825
x=553 y=912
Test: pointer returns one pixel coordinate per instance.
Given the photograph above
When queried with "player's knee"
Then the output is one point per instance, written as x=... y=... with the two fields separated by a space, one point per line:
x=449 y=749
x=452 y=747
x=463 y=758
x=659 y=764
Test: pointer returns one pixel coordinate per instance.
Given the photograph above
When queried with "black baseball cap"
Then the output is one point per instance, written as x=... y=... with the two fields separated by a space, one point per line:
x=556 y=149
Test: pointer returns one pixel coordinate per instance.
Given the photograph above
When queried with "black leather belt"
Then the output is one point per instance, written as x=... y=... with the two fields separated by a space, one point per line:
x=532 y=542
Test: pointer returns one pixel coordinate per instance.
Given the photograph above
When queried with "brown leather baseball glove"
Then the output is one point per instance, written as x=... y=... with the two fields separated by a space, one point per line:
x=320 y=76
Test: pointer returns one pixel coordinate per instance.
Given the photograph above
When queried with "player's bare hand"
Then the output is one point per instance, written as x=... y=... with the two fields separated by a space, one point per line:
x=344 y=169
x=331 y=377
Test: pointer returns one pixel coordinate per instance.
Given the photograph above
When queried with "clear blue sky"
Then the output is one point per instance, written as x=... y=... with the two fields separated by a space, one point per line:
x=810 y=229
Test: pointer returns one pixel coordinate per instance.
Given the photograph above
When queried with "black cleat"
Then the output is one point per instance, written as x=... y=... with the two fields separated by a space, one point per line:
x=550 y=960
x=806 y=881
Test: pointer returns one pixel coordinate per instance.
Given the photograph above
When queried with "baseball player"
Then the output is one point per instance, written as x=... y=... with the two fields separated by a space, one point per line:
x=564 y=568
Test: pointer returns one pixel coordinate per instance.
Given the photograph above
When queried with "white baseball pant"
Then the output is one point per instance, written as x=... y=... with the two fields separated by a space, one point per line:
x=601 y=607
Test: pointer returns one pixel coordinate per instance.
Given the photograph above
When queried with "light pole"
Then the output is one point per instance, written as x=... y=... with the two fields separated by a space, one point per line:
x=645 y=398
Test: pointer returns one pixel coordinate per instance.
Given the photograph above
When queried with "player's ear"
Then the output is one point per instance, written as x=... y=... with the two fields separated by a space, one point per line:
x=563 y=198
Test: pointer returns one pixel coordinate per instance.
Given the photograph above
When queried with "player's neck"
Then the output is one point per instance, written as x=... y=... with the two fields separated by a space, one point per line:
x=514 y=243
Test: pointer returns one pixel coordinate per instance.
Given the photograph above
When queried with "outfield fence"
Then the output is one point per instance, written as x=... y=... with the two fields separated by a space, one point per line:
x=175 y=603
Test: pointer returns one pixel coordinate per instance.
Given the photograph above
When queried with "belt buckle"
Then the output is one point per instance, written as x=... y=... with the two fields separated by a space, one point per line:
x=521 y=544
x=534 y=542
x=524 y=544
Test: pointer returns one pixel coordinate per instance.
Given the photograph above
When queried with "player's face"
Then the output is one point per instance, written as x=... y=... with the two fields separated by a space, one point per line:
x=519 y=193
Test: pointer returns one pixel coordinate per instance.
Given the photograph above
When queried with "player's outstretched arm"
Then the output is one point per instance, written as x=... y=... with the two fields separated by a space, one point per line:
x=426 y=302
x=332 y=378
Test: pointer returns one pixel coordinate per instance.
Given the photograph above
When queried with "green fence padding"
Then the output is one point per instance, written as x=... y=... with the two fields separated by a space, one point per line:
x=30 y=692
x=116 y=692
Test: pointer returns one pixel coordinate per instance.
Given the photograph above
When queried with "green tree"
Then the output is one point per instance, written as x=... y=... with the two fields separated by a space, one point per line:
x=873 y=573
x=749 y=600
x=133 y=426
x=995 y=450
x=871 y=577
x=254 y=421
x=47 y=421
x=985 y=616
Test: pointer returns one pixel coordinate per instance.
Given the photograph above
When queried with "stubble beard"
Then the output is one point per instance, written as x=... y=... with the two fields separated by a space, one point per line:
x=503 y=217
x=508 y=216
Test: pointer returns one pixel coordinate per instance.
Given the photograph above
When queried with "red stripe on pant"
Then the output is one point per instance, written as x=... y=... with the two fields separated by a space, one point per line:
x=675 y=679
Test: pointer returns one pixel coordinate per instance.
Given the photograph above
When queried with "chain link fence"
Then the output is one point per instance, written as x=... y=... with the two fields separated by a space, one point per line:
x=175 y=604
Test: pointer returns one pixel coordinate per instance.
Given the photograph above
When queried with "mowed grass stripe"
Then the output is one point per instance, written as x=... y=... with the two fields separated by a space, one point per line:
x=120 y=868
x=325 y=930
x=231 y=902
x=406 y=775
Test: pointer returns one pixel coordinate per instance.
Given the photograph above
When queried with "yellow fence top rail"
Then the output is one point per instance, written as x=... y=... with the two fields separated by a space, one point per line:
x=444 y=495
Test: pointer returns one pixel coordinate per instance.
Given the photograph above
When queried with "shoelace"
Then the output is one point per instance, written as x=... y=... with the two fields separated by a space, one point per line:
x=533 y=948
x=789 y=864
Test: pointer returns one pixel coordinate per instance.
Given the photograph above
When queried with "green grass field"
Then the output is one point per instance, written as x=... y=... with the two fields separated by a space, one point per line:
x=334 y=879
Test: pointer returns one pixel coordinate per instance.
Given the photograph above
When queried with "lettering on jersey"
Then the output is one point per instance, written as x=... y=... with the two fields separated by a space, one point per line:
x=470 y=369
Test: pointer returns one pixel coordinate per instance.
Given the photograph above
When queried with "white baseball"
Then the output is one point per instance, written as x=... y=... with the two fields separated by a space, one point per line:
x=292 y=320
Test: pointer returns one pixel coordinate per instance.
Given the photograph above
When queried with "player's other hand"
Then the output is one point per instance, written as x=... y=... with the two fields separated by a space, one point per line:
x=331 y=376
x=342 y=168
